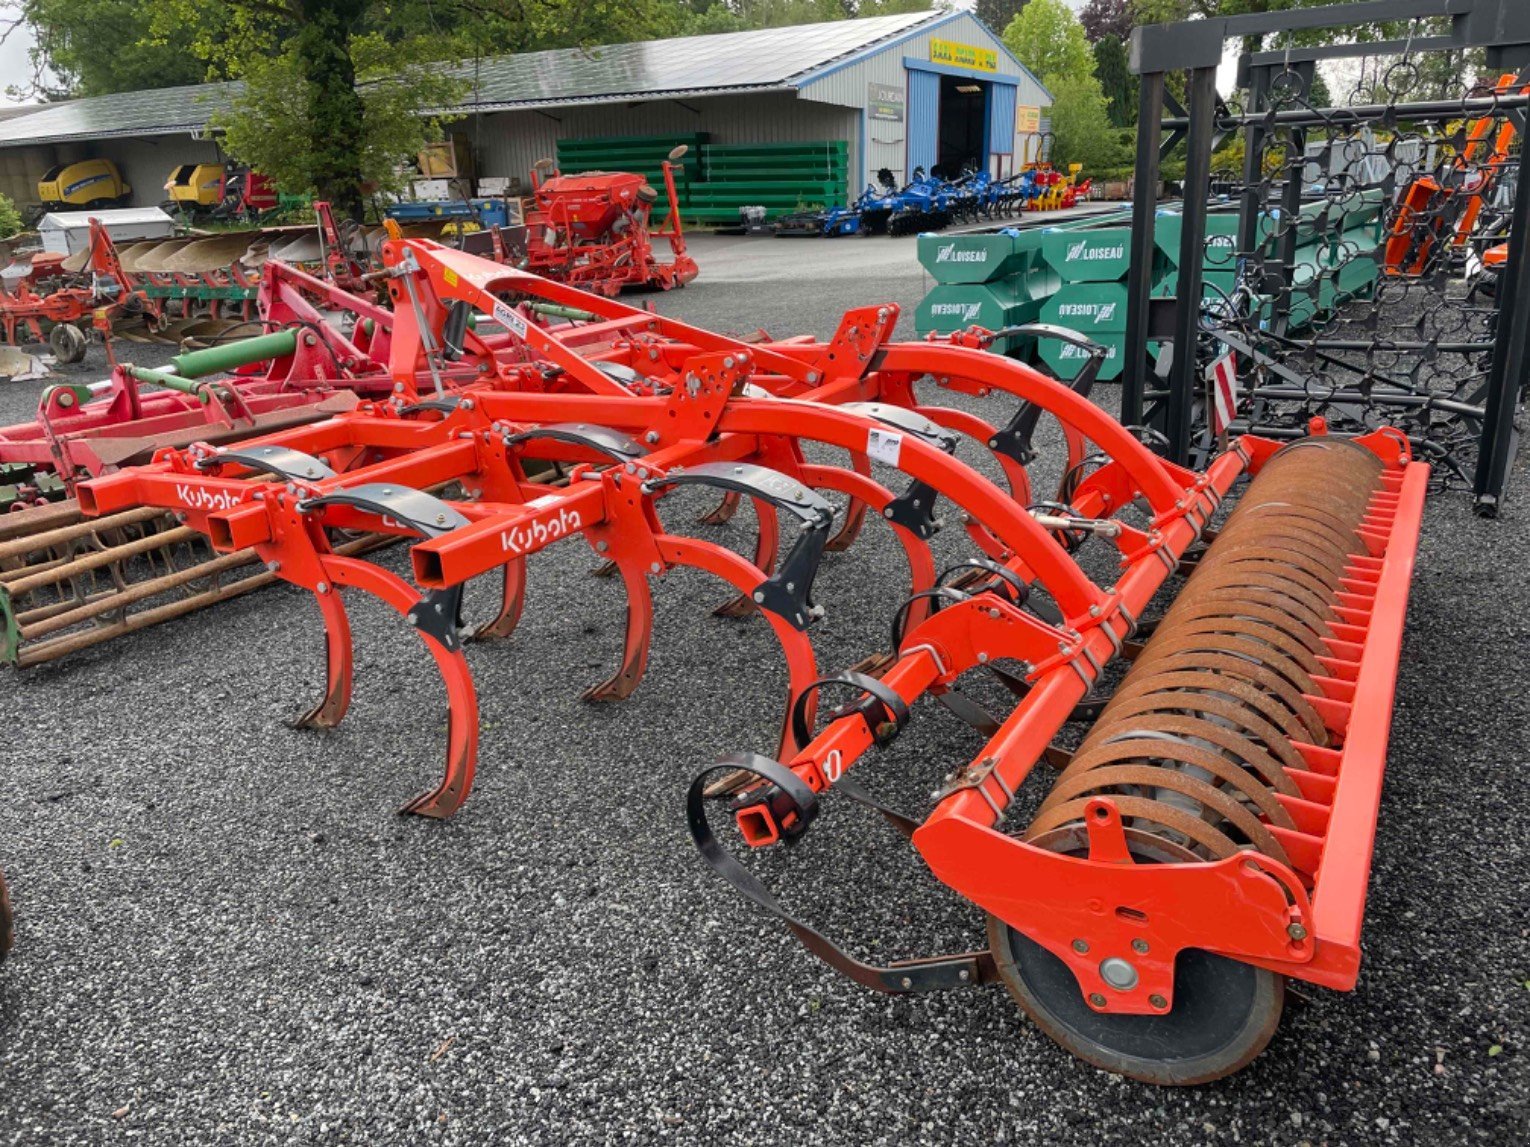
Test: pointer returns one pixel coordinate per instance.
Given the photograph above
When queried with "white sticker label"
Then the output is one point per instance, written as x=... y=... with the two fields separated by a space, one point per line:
x=510 y=318
x=884 y=446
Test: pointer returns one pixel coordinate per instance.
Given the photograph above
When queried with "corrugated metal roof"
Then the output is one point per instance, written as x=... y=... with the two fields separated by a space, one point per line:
x=163 y=111
x=763 y=60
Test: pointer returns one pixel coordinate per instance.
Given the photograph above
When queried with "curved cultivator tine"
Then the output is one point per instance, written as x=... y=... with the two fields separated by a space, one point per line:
x=1149 y=909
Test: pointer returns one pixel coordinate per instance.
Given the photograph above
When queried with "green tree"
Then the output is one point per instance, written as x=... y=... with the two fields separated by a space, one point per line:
x=1119 y=86
x=1049 y=40
x=997 y=14
x=10 y=218
x=97 y=47
x=1102 y=18
x=1081 y=131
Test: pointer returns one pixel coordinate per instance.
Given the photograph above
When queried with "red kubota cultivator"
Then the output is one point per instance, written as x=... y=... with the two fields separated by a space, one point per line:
x=1208 y=838
x=592 y=231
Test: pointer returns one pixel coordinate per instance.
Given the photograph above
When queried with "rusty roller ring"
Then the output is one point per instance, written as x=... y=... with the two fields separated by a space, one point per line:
x=1248 y=753
x=1222 y=685
x=1155 y=750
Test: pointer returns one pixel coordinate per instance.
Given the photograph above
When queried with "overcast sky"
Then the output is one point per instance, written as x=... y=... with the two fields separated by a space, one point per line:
x=14 y=64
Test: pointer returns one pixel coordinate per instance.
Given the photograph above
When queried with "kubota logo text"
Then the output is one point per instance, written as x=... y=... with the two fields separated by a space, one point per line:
x=199 y=499
x=523 y=539
x=950 y=254
x=1084 y=253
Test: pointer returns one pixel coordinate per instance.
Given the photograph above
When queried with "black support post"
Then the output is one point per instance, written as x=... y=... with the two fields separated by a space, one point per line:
x=1139 y=277
x=1184 y=379
x=1511 y=357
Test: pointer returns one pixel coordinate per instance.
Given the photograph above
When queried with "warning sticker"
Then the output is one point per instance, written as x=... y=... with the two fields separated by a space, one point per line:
x=884 y=446
x=510 y=318
x=450 y=277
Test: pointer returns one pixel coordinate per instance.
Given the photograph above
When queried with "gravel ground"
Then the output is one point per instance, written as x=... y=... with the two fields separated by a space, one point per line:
x=226 y=936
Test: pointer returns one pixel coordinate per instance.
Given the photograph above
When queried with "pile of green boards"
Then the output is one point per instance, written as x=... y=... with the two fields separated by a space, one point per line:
x=718 y=179
x=1074 y=275
x=780 y=177
x=640 y=154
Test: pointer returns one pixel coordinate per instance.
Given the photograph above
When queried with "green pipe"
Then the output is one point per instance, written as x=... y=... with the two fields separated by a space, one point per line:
x=168 y=381
x=223 y=357
x=558 y=311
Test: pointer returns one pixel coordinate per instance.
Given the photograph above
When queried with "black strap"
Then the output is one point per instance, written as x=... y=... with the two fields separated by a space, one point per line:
x=912 y=976
x=894 y=708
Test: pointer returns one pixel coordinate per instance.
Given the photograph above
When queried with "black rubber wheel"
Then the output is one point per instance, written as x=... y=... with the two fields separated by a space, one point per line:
x=7 y=929
x=1224 y=1013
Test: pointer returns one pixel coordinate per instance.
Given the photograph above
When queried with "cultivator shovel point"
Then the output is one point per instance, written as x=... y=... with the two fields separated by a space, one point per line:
x=1147 y=912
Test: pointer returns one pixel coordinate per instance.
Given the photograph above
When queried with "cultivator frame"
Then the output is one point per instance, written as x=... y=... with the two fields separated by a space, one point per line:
x=1149 y=911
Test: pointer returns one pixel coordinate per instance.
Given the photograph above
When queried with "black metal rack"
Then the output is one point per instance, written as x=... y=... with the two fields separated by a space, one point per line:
x=1493 y=340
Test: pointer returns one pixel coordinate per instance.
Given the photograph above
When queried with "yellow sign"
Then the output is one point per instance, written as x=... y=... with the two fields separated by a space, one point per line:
x=964 y=56
x=1027 y=120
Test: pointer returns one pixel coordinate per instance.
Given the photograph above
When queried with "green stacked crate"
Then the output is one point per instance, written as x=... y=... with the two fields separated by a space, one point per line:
x=994 y=281
x=780 y=177
x=640 y=154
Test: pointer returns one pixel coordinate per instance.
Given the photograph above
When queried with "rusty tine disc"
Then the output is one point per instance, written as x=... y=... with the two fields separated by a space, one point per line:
x=1315 y=545
x=1253 y=755
x=1216 y=843
x=1272 y=596
x=1327 y=569
x=1337 y=530
x=1192 y=657
x=1246 y=577
x=1158 y=684
x=1155 y=748
x=1197 y=608
x=1204 y=706
x=1218 y=805
x=1323 y=585
x=1276 y=639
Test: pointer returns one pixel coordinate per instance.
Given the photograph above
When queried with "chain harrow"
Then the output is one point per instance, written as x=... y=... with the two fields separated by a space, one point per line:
x=1393 y=322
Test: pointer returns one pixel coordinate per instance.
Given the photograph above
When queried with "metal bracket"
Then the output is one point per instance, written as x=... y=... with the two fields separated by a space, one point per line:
x=438 y=613
x=278 y=461
x=787 y=592
x=600 y=439
x=974 y=776
x=914 y=509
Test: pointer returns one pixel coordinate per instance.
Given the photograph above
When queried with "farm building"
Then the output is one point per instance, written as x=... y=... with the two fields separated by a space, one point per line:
x=806 y=112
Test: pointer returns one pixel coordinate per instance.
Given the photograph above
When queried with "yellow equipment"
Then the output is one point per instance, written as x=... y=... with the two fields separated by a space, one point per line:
x=196 y=186
x=82 y=184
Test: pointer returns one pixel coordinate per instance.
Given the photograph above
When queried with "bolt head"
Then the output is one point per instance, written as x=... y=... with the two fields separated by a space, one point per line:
x=651 y=437
x=1081 y=946
x=1118 y=973
x=1096 y=999
x=655 y=568
x=1296 y=932
x=906 y=982
x=1158 y=1001
x=1139 y=946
